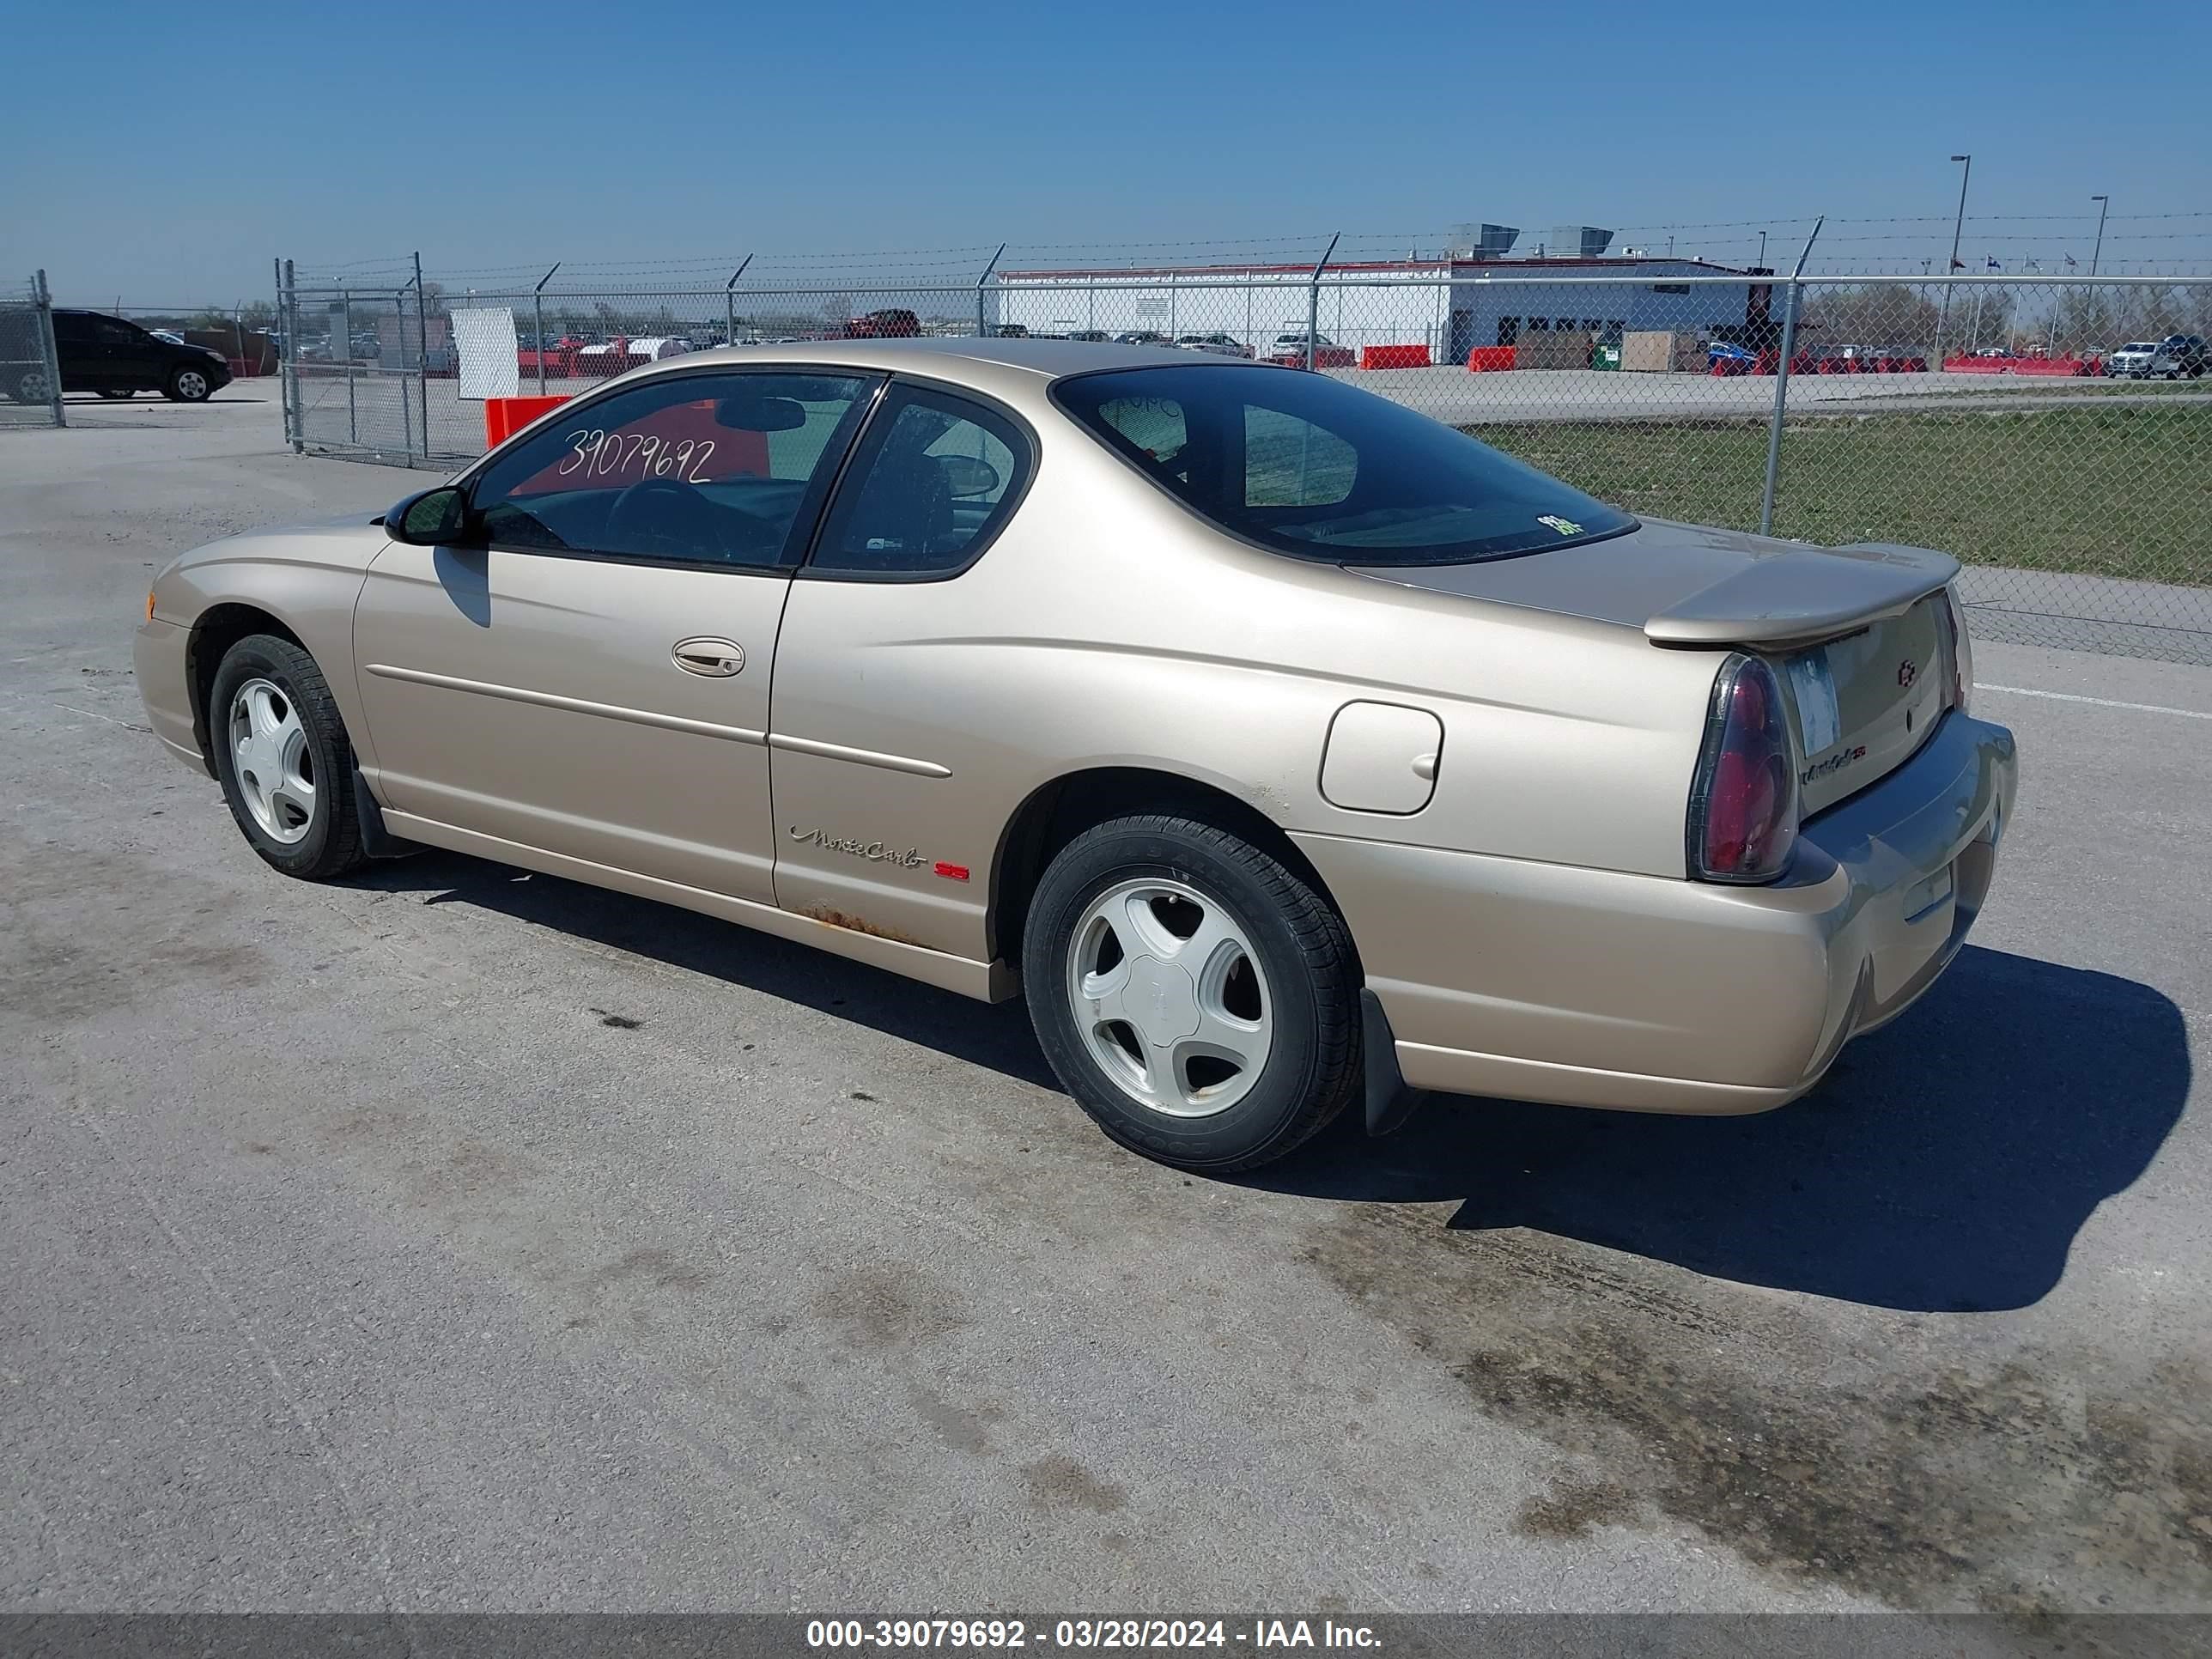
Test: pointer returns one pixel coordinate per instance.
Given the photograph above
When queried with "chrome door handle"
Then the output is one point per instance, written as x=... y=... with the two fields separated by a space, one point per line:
x=710 y=658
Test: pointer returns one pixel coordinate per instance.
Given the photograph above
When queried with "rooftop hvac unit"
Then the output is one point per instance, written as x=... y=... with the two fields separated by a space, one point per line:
x=1482 y=242
x=1579 y=242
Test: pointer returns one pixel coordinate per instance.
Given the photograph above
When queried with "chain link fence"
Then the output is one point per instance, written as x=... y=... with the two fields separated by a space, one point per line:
x=2054 y=433
x=30 y=368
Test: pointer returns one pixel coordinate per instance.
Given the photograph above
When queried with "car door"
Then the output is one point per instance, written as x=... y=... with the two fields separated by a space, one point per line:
x=77 y=346
x=129 y=359
x=590 y=677
x=881 y=721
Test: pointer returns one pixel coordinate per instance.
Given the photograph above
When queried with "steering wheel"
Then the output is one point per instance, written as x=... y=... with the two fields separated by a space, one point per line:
x=681 y=530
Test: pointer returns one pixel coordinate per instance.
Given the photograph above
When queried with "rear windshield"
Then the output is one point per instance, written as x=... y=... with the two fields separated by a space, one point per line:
x=1307 y=465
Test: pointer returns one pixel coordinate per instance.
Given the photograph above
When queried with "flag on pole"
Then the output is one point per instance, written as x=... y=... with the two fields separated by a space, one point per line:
x=1994 y=265
x=2069 y=262
x=1958 y=265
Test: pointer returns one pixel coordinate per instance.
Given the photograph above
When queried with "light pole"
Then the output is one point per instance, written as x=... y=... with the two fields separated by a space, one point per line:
x=1958 y=227
x=1762 y=250
x=2104 y=206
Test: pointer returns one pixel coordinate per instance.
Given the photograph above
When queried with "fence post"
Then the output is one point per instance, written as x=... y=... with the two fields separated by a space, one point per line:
x=1782 y=382
x=406 y=402
x=730 y=302
x=537 y=323
x=353 y=413
x=1313 y=305
x=291 y=314
x=42 y=320
x=422 y=356
x=283 y=352
x=982 y=325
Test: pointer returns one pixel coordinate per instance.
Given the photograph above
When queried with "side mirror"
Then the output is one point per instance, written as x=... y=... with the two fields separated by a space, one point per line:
x=436 y=518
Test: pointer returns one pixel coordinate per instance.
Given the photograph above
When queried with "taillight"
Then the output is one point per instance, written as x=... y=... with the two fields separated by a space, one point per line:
x=1743 y=808
x=1956 y=650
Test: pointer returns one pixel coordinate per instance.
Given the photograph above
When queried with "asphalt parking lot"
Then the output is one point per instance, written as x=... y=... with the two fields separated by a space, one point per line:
x=456 y=1239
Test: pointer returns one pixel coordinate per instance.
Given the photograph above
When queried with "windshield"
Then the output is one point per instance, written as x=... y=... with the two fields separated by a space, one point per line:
x=2140 y=345
x=1307 y=465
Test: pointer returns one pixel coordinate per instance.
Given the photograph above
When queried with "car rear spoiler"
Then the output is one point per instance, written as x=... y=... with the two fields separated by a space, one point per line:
x=1804 y=595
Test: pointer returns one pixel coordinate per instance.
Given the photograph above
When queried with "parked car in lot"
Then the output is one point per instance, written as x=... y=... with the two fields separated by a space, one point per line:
x=1143 y=336
x=1288 y=349
x=889 y=322
x=1727 y=357
x=1897 y=359
x=2175 y=357
x=116 y=359
x=1436 y=774
x=1217 y=345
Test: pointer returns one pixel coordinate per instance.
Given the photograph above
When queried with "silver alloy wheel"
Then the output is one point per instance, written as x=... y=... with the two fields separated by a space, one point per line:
x=1168 y=992
x=276 y=764
x=191 y=384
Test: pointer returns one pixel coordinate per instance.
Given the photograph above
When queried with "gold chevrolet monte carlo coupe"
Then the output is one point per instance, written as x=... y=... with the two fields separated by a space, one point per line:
x=1283 y=747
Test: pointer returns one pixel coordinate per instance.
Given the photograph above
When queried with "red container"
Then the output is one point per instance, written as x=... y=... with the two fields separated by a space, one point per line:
x=505 y=417
x=1483 y=359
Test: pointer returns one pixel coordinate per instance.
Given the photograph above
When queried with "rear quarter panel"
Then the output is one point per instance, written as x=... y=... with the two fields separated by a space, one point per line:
x=1108 y=628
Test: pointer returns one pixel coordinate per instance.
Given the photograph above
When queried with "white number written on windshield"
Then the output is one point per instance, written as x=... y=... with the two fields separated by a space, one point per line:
x=594 y=453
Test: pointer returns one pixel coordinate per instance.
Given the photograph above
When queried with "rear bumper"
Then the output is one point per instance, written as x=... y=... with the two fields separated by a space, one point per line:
x=1590 y=987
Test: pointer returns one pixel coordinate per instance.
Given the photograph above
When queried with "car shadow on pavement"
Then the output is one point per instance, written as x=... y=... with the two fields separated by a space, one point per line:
x=995 y=1035
x=1944 y=1165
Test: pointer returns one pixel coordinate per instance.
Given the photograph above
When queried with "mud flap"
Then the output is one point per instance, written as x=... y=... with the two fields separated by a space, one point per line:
x=376 y=841
x=1390 y=1099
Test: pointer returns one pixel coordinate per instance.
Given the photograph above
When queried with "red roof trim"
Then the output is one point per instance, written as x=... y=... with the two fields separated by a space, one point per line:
x=1456 y=267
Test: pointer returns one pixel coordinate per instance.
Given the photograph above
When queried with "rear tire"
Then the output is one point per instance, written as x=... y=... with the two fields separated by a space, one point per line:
x=30 y=387
x=1196 y=996
x=282 y=757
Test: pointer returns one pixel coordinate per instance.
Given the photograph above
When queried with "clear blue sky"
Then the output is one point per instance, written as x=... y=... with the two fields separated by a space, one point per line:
x=181 y=147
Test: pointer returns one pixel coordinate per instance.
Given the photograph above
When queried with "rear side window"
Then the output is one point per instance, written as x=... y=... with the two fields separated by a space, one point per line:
x=932 y=480
x=1308 y=465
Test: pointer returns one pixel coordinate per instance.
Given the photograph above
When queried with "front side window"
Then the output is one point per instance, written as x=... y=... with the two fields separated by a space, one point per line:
x=929 y=486
x=1308 y=465
x=694 y=469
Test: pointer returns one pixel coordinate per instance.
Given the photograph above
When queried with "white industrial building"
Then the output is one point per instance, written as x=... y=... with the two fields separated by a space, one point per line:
x=1476 y=295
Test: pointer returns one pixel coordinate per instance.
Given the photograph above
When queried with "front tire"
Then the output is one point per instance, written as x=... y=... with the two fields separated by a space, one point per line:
x=1195 y=993
x=284 y=759
x=188 y=385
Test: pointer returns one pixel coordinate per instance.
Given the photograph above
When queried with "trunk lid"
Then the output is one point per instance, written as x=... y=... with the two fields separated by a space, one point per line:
x=1855 y=634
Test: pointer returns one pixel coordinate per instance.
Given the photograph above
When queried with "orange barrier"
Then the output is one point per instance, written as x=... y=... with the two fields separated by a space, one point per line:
x=1978 y=364
x=1483 y=358
x=1394 y=356
x=505 y=417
